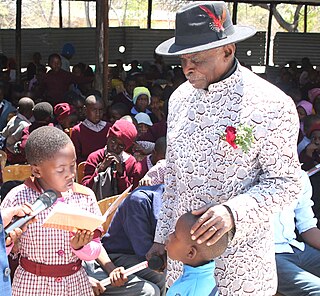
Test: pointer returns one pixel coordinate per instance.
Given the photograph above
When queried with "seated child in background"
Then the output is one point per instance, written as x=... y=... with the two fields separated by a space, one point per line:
x=310 y=156
x=156 y=105
x=141 y=101
x=198 y=269
x=77 y=102
x=155 y=175
x=66 y=117
x=304 y=108
x=111 y=170
x=142 y=147
x=90 y=135
x=13 y=131
x=42 y=113
x=157 y=154
x=308 y=122
x=51 y=258
x=116 y=111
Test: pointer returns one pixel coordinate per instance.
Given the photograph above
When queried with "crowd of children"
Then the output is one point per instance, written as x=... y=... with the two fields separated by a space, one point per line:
x=60 y=120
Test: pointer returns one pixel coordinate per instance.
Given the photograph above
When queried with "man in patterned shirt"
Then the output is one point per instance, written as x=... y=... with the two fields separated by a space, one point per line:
x=232 y=140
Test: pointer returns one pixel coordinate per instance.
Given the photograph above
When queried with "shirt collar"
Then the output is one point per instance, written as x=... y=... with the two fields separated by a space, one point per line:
x=94 y=127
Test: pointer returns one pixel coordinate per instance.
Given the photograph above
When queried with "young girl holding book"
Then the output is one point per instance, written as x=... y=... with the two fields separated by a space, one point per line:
x=50 y=262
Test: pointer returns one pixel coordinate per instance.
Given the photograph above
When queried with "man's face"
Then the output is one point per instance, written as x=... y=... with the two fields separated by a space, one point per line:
x=204 y=67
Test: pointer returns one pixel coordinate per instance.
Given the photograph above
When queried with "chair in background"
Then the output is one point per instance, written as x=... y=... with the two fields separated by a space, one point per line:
x=109 y=205
x=80 y=171
x=3 y=159
x=16 y=172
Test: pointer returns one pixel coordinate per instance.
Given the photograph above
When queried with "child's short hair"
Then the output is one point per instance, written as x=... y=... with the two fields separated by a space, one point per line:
x=207 y=252
x=43 y=144
x=161 y=146
x=42 y=111
x=92 y=99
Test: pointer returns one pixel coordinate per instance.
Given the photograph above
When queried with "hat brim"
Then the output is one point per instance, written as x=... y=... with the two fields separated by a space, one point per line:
x=169 y=48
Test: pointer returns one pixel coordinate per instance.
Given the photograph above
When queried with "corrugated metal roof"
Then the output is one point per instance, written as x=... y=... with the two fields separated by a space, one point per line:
x=295 y=46
x=140 y=44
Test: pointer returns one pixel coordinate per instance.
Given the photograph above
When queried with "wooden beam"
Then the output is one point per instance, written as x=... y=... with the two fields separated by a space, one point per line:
x=18 y=41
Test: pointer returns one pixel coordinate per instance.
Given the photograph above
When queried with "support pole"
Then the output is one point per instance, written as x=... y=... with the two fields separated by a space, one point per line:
x=305 y=24
x=18 y=41
x=149 y=14
x=102 y=41
x=234 y=13
x=60 y=14
x=269 y=34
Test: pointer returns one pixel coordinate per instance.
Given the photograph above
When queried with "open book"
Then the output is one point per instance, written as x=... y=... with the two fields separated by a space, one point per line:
x=69 y=217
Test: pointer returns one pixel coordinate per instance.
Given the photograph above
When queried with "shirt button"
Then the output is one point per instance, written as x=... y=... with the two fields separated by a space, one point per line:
x=1 y=227
x=60 y=252
x=7 y=271
x=58 y=279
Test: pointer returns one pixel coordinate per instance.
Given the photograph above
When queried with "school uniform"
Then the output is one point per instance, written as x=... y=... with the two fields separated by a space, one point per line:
x=88 y=137
x=49 y=266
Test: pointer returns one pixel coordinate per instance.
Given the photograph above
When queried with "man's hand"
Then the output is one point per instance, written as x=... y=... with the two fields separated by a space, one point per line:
x=118 y=277
x=97 y=288
x=81 y=238
x=19 y=211
x=214 y=222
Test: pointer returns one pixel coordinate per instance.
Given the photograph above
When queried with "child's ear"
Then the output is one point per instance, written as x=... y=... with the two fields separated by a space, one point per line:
x=192 y=253
x=35 y=171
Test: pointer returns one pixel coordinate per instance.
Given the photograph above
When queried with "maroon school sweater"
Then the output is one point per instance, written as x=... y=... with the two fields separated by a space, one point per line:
x=87 y=141
x=131 y=172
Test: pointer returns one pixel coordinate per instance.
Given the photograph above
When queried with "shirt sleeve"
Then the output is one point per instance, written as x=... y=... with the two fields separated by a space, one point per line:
x=90 y=251
x=137 y=223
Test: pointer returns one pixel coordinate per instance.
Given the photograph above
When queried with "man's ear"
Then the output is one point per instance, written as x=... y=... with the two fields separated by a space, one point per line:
x=192 y=253
x=229 y=50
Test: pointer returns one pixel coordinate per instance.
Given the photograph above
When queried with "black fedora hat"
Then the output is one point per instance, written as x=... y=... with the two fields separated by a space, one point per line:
x=201 y=26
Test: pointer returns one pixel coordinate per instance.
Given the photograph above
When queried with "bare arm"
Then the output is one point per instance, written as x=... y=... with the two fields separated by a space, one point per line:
x=312 y=237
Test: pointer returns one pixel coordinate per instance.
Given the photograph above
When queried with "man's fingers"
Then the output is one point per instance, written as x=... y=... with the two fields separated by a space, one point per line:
x=195 y=229
x=200 y=210
x=212 y=234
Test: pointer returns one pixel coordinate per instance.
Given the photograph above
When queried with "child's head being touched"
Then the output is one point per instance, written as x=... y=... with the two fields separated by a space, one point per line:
x=181 y=247
x=121 y=136
x=52 y=157
x=94 y=107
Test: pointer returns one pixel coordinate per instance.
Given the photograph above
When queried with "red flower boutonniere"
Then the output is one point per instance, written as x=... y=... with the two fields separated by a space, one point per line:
x=242 y=137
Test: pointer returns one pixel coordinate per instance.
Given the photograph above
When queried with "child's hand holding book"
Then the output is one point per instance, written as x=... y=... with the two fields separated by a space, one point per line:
x=81 y=238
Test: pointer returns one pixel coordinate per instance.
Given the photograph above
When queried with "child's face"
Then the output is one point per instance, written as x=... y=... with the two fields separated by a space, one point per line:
x=55 y=64
x=301 y=112
x=155 y=103
x=177 y=245
x=57 y=173
x=114 y=115
x=95 y=112
x=142 y=128
x=142 y=103
x=315 y=137
x=115 y=145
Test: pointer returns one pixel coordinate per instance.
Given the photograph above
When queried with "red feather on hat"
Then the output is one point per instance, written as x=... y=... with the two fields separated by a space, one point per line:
x=217 y=21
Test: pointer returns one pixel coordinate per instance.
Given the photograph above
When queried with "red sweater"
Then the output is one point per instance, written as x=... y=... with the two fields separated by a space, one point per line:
x=131 y=172
x=87 y=141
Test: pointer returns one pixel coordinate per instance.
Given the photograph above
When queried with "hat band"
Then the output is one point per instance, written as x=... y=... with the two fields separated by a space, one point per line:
x=201 y=39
